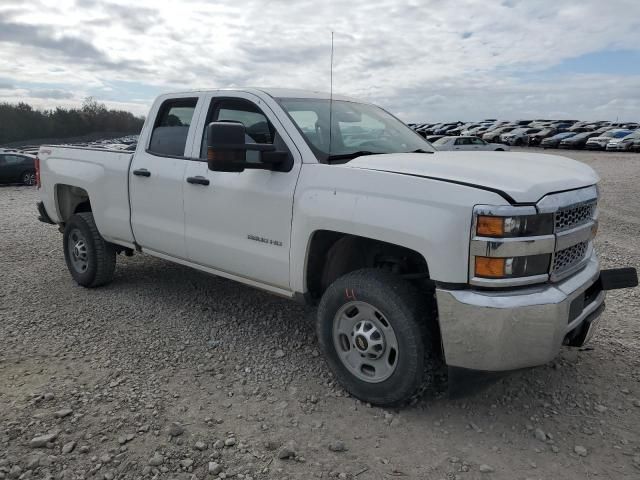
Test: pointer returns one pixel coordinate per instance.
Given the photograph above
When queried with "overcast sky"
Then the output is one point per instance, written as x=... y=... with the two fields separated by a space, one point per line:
x=422 y=60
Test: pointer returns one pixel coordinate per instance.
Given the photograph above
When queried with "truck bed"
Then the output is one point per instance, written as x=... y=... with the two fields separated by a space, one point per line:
x=102 y=173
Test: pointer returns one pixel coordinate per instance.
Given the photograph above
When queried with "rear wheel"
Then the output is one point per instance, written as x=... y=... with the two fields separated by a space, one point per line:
x=91 y=260
x=28 y=178
x=372 y=327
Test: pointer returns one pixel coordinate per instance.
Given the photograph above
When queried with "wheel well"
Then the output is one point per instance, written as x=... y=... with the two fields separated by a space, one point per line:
x=334 y=254
x=71 y=200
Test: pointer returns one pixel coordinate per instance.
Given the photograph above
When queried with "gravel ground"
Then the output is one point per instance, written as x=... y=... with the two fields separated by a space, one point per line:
x=170 y=373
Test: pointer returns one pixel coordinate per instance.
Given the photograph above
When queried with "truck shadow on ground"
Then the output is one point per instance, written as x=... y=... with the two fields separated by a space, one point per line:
x=226 y=313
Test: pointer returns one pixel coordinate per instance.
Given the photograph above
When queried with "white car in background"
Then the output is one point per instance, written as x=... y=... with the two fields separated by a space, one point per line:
x=600 y=143
x=623 y=144
x=467 y=143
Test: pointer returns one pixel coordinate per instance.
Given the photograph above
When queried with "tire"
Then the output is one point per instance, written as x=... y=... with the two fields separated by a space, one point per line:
x=499 y=149
x=376 y=297
x=28 y=178
x=90 y=259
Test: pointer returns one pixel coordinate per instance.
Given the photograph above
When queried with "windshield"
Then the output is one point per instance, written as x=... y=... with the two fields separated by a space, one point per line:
x=624 y=133
x=356 y=129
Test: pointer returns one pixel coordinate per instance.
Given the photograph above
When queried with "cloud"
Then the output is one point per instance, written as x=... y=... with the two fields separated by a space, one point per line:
x=422 y=59
x=51 y=93
x=45 y=38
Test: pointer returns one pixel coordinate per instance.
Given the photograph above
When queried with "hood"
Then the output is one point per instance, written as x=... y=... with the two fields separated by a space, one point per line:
x=524 y=177
x=599 y=139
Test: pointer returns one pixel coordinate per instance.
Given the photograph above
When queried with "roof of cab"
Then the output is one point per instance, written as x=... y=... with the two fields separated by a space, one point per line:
x=273 y=92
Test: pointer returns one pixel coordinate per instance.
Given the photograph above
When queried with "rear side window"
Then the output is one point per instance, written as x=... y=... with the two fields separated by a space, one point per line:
x=13 y=160
x=169 y=135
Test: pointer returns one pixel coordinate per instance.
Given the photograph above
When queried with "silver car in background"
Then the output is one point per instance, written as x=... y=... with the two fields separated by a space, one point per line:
x=623 y=144
x=519 y=136
x=467 y=144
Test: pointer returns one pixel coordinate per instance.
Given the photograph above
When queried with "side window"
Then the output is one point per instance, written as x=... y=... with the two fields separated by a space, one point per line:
x=13 y=160
x=2 y=160
x=462 y=141
x=258 y=129
x=477 y=141
x=170 y=130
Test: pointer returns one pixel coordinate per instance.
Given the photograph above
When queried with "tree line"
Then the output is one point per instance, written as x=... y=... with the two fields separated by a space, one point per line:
x=21 y=121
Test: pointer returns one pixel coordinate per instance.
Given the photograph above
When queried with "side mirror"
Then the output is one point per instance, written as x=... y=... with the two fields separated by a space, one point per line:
x=226 y=148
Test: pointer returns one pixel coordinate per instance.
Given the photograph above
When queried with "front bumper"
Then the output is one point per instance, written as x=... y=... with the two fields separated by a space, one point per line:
x=507 y=330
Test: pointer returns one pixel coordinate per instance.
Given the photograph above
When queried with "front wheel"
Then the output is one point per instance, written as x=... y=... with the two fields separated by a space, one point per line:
x=373 y=330
x=91 y=260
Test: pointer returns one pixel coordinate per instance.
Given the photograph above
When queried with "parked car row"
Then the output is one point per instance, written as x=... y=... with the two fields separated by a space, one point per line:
x=574 y=134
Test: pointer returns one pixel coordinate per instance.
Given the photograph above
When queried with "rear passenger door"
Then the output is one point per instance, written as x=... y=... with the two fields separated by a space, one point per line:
x=462 y=144
x=156 y=177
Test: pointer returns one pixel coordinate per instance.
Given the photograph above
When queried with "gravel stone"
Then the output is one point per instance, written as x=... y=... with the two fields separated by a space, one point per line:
x=580 y=450
x=175 y=429
x=68 y=447
x=156 y=460
x=43 y=440
x=484 y=468
x=540 y=435
x=214 y=468
x=337 y=446
x=65 y=412
x=287 y=451
x=218 y=444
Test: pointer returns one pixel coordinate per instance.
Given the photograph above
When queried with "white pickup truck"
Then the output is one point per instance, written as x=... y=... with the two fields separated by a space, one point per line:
x=482 y=261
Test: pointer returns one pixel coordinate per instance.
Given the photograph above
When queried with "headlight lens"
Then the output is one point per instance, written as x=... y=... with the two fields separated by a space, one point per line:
x=516 y=226
x=510 y=245
x=513 y=267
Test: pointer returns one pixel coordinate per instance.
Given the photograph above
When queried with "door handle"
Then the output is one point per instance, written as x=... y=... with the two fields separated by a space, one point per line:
x=199 y=180
x=142 y=172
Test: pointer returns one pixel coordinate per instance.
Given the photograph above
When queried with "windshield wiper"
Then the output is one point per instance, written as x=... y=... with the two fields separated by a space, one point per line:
x=419 y=150
x=351 y=155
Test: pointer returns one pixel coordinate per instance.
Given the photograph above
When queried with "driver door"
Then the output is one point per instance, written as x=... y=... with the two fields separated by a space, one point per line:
x=240 y=222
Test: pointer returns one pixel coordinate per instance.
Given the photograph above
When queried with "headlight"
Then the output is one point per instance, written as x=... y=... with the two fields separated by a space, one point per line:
x=514 y=226
x=511 y=267
x=510 y=246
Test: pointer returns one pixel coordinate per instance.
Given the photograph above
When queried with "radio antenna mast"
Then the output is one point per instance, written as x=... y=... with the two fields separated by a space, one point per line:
x=331 y=93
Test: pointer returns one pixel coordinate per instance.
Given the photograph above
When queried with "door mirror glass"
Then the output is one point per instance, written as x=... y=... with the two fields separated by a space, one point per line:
x=226 y=147
x=227 y=150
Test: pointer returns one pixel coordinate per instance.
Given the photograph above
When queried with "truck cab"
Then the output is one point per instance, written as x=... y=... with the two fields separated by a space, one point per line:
x=483 y=261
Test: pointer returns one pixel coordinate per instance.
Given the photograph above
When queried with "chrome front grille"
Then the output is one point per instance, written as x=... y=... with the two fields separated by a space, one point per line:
x=567 y=258
x=574 y=216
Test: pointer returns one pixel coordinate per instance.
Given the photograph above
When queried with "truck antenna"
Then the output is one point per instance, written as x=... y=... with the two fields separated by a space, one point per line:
x=331 y=93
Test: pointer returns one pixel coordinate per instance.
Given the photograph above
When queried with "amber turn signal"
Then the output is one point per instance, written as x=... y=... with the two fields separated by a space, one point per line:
x=490 y=226
x=488 y=267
